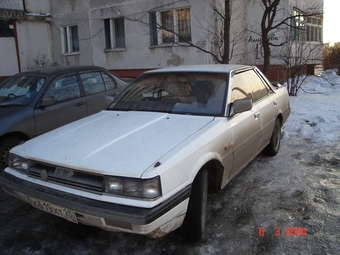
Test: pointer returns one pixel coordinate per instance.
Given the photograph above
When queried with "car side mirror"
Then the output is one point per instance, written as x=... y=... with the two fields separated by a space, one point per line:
x=276 y=84
x=241 y=105
x=47 y=101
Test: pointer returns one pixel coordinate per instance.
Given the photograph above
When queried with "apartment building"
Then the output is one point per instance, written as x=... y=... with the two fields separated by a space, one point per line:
x=129 y=36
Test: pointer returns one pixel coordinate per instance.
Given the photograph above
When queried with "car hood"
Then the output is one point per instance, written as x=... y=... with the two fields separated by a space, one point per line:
x=113 y=143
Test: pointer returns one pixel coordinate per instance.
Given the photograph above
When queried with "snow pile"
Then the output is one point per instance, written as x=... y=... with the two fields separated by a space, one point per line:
x=332 y=77
x=315 y=111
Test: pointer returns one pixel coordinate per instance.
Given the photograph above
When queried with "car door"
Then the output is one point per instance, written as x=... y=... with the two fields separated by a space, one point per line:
x=66 y=104
x=97 y=86
x=245 y=126
x=264 y=101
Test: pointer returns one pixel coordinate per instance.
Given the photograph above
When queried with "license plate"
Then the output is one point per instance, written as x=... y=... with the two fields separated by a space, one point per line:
x=54 y=209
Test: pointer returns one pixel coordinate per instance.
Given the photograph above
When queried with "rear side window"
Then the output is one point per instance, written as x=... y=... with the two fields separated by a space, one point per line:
x=96 y=82
x=64 y=89
x=109 y=82
x=93 y=83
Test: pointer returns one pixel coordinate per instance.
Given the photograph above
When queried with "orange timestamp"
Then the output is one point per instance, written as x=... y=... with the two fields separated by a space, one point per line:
x=291 y=231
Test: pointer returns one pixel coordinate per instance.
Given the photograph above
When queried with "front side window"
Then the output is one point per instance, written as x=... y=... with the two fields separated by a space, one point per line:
x=171 y=26
x=70 y=39
x=240 y=88
x=114 y=33
x=259 y=89
x=176 y=92
x=248 y=85
x=64 y=89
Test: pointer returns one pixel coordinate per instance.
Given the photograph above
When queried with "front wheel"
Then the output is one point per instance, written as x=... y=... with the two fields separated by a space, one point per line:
x=5 y=146
x=274 y=145
x=193 y=226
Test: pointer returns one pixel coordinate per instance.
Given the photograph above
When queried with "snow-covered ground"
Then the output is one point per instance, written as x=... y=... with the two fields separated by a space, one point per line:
x=287 y=204
x=316 y=109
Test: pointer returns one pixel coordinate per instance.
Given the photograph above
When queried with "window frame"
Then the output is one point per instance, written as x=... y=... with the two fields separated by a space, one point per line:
x=306 y=29
x=314 y=29
x=53 y=86
x=157 y=33
x=255 y=95
x=6 y=28
x=111 y=36
x=70 y=40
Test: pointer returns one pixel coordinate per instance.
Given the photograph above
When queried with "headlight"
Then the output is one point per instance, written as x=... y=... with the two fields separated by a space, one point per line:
x=148 y=189
x=17 y=162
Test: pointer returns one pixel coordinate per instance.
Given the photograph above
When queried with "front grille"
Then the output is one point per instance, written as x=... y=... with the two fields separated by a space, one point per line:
x=67 y=177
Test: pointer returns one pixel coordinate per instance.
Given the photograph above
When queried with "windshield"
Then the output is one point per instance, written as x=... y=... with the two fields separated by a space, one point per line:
x=20 y=90
x=181 y=92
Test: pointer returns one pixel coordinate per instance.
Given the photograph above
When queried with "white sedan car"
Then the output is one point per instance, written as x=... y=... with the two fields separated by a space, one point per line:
x=146 y=164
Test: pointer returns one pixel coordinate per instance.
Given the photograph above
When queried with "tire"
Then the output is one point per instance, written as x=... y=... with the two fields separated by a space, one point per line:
x=193 y=226
x=5 y=146
x=274 y=145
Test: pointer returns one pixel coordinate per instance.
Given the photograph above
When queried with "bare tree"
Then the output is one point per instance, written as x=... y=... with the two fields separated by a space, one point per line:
x=297 y=56
x=40 y=61
x=331 y=57
x=269 y=23
x=223 y=38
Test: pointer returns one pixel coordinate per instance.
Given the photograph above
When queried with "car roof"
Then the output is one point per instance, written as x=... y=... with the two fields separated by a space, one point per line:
x=51 y=71
x=215 y=68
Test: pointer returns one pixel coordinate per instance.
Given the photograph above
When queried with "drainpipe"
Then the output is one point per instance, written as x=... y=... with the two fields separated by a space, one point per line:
x=17 y=44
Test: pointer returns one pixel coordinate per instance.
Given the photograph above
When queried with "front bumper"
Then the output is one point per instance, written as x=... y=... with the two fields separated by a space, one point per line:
x=155 y=222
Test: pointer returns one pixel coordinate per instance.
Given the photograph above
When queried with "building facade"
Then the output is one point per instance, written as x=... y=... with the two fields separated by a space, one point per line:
x=25 y=35
x=129 y=37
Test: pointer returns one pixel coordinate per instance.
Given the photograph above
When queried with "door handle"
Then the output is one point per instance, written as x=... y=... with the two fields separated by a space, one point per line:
x=275 y=103
x=79 y=104
x=257 y=115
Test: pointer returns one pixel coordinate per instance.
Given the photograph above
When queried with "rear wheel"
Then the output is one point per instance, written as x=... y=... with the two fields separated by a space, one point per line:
x=5 y=146
x=274 y=145
x=194 y=223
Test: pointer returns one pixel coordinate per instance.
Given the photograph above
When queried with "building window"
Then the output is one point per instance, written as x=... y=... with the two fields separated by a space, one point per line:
x=114 y=33
x=70 y=39
x=306 y=28
x=314 y=29
x=167 y=19
x=172 y=26
x=6 y=28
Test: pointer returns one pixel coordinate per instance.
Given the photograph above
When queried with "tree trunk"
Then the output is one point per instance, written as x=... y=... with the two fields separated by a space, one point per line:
x=266 y=54
x=266 y=27
x=225 y=57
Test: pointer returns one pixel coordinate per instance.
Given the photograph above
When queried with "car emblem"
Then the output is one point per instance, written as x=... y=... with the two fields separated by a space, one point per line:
x=44 y=175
